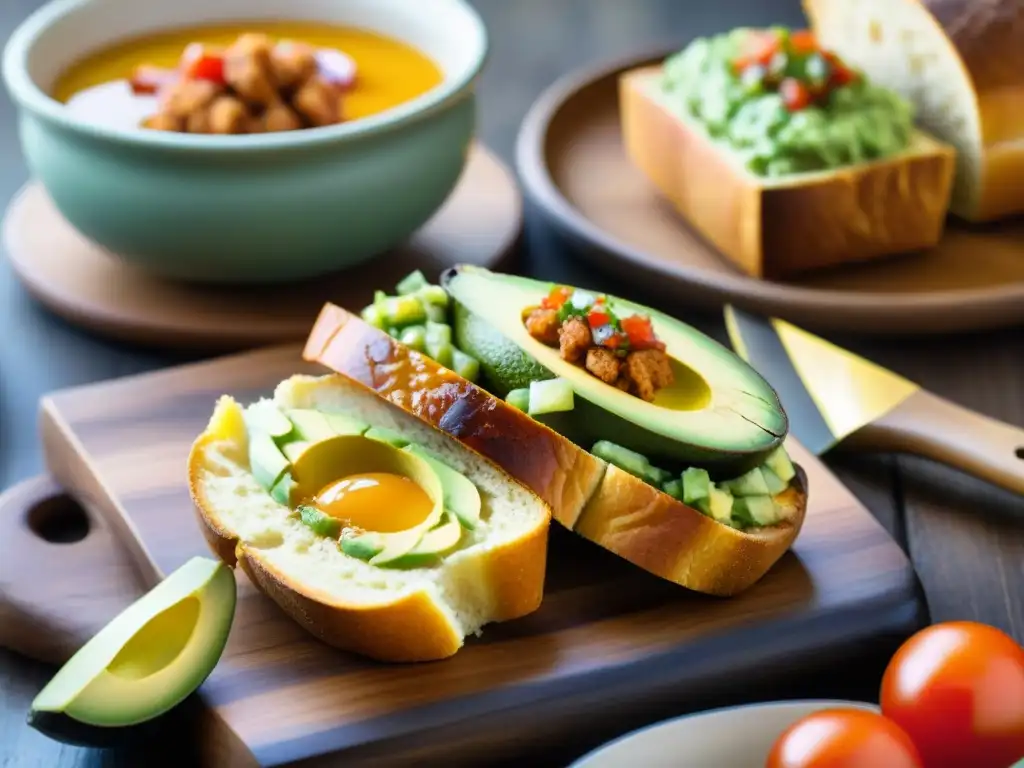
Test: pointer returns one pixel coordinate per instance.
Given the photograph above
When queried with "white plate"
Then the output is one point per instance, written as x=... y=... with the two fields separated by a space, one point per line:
x=737 y=737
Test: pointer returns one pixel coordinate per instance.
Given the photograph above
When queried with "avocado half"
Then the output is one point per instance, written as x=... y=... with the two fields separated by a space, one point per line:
x=720 y=414
x=147 y=660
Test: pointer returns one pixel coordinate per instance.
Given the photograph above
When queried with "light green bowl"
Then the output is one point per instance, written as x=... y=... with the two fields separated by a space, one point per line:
x=247 y=209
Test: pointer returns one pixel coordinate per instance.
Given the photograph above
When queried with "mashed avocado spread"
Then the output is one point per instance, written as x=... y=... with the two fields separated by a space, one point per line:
x=783 y=104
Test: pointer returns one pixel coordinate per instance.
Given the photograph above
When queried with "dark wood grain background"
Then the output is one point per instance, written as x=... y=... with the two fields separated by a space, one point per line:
x=970 y=558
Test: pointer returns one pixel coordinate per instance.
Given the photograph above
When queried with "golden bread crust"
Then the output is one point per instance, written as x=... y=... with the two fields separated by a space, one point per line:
x=616 y=510
x=779 y=229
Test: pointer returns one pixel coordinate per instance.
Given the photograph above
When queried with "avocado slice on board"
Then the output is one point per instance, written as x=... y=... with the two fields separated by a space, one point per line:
x=146 y=661
x=720 y=414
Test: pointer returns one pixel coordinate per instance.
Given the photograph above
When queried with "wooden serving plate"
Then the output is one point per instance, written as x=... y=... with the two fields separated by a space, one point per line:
x=608 y=643
x=479 y=223
x=572 y=163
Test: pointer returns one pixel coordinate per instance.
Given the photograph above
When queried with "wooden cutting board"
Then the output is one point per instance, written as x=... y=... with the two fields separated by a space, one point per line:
x=607 y=638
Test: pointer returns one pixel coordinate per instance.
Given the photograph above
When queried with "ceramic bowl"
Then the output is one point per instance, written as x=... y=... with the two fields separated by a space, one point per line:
x=738 y=737
x=251 y=208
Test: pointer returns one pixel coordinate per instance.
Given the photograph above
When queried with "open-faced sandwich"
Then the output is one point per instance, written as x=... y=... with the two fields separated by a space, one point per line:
x=782 y=155
x=642 y=434
x=374 y=530
x=961 y=64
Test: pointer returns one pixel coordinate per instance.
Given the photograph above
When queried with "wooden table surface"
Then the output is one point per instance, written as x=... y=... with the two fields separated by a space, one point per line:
x=969 y=558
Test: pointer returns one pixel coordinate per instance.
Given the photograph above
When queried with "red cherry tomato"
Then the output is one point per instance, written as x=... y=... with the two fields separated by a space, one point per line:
x=758 y=48
x=843 y=738
x=795 y=95
x=958 y=689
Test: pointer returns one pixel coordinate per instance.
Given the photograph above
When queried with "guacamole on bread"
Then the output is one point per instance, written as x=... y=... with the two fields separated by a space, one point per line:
x=782 y=104
x=720 y=420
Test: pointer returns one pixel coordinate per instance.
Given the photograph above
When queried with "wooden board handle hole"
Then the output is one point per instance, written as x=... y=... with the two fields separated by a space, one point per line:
x=58 y=520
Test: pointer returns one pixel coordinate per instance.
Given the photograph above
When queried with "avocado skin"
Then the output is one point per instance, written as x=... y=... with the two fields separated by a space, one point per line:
x=586 y=423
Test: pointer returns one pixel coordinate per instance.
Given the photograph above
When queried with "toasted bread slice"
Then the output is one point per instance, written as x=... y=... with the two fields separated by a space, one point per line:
x=414 y=614
x=602 y=503
x=961 y=63
x=772 y=228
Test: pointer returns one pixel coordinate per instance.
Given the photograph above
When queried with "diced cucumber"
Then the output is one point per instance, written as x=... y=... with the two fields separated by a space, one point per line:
x=550 y=396
x=439 y=343
x=373 y=316
x=623 y=458
x=755 y=511
x=779 y=463
x=656 y=476
x=464 y=365
x=774 y=482
x=718 y=505
x=748 y=484
x=389 y=436
x=414 y=337
x=318 y=522
x=436 y=314
x=434 y=296
x=697 y=485
x=399 y=311
x=411 y=283
x=674 y=488
x=519 y=398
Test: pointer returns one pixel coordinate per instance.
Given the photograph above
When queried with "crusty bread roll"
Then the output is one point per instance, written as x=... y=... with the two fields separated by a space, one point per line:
x=777 y=227
x=599 y=501
x=961 y=62
x=415 y=614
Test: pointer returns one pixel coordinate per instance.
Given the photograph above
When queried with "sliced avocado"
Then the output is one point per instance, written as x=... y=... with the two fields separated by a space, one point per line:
x=718 y=504
x=696 y=485
x=461 y=497
x=779 y=463
x=266 y=461
x=432 y=546
x=311 y=426
x=263 y=416
x=343 y=424
x=294 y=449
x=750 y=483
x=282 y=490
x=318 y=522
x=381 y=548
x=775 y=483
x=755 y=510
x=145 y=661
x=720 y=414
x=389 y=436
x=360 y=546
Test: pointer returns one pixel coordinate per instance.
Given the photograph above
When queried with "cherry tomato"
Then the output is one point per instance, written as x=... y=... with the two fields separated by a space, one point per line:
x=558 y=296
x=758 y=48
x=795 y=95
x=958 y=689
x=844 y=738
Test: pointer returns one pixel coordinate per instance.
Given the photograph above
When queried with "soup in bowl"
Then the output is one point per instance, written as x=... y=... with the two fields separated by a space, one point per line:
x=247 y=140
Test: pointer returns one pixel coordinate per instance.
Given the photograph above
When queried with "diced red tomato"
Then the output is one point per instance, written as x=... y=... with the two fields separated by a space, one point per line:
x=597 y=318
x=148 y=80
x=615 y=341
x=558 y=296
x=795 y=95
x=842 y=76
x=198 y=63
x=802 y=41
